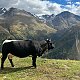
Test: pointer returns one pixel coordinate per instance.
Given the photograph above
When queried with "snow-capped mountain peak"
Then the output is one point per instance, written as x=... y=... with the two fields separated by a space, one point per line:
x=2 y=11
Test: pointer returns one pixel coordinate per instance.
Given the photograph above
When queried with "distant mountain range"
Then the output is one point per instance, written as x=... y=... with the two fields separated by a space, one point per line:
x=63 y=29
x=62 y=20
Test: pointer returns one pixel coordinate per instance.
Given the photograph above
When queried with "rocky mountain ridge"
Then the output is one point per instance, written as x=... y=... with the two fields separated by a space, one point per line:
x=63 y=20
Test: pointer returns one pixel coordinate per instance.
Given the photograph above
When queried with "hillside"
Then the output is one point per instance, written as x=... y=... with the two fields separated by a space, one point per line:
x=47 y=69
x=67 y=44
x=22 y=24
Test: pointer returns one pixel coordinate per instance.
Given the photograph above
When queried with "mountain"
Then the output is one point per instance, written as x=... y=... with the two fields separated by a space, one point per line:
x=67 y=37
x=20 y=24
x=63 y=20
x=47 y=19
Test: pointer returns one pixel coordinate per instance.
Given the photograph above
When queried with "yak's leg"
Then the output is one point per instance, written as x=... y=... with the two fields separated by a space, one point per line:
x=34 y=61
x=10 y=59
x=2 y=60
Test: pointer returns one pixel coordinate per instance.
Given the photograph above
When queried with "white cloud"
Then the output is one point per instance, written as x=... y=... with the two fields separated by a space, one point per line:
x=77 y=3
x=74 y=8
x=7 y=3
x=41 y=6
x=33 y=6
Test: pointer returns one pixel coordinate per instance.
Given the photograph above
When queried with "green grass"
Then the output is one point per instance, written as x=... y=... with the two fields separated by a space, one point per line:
x=47 y=69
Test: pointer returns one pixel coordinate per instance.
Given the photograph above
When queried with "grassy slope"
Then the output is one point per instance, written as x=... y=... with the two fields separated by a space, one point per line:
x=47 y=69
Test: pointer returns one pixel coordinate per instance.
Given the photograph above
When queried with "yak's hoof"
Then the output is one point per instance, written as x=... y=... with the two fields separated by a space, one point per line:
x=13 y=66
x=34 y=66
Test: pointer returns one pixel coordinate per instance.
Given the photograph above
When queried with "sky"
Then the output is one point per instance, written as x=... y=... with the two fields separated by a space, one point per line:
x=40 y=7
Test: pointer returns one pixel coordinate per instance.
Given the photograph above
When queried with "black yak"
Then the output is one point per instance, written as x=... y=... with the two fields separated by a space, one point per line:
x=24 y=48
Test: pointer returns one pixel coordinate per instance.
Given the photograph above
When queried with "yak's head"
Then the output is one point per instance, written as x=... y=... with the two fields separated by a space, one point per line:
x=46 y=45
x=49 y=45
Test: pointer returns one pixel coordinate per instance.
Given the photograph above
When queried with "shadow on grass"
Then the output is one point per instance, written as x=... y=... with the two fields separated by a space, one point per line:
x=14 y=69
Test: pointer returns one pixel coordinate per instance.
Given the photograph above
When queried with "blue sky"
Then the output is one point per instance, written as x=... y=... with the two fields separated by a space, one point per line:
x=67 y=5
x=63 y=2
x=40 y=7
x=59 y=1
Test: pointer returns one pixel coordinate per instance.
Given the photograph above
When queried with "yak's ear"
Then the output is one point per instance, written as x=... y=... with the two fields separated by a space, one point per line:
x=50 y=40
x=47 y=39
